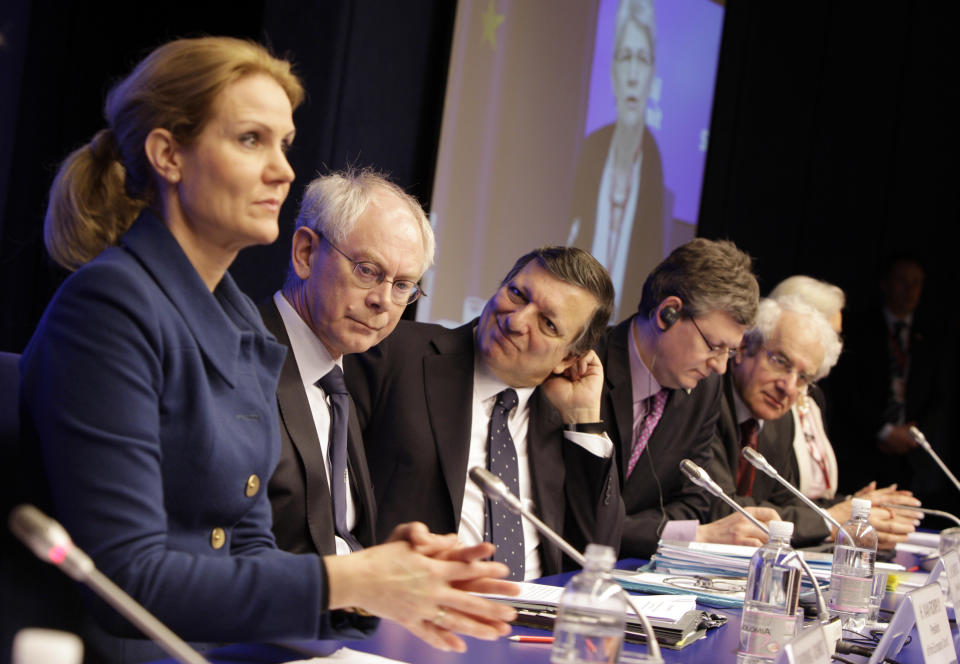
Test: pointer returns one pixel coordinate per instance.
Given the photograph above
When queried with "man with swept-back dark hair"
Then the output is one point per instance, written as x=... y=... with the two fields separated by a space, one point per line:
x=516 y=391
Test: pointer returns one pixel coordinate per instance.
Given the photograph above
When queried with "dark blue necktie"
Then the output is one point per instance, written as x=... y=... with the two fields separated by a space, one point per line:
x=502 y=526
x=336 y=390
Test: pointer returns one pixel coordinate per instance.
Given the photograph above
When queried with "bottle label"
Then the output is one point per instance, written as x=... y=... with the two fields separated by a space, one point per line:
x=764 y=633
x=850 y=594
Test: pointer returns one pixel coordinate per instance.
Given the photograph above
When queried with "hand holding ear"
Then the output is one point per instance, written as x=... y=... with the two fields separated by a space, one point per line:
x=576 y=391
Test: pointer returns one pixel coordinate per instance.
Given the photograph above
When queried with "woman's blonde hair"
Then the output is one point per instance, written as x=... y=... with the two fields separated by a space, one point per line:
x=102 y=187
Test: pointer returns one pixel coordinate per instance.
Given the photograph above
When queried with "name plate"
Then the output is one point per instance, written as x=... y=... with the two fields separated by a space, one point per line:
x=925 y=608
x=930 y=612
x=951 y=567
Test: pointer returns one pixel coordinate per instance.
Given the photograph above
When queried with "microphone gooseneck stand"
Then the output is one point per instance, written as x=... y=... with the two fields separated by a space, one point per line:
x=925 y=444
x=701 y=478
x=495 y=489
x=50 y=542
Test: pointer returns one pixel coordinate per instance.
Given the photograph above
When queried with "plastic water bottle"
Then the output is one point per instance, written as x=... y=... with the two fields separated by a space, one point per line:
x=851 y=579
x=592 y=613
x=770 y=617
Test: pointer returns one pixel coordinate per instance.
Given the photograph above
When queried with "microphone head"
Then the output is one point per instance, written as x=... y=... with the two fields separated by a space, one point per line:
x=918 y=436
x=755 y=458
x=699 y=476
x=490 y=484
x=495 y=489
x=693 y=472
x=49 y=541
x=38 y=532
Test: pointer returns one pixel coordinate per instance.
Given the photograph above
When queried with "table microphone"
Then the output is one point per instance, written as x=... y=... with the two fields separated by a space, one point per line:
x=702 y=478
x=758 y=461
x=50 y=542
x=495 y=489
x=922 y=441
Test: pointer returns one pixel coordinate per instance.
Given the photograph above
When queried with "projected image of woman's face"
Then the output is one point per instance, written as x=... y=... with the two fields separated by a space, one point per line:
x=632 y=73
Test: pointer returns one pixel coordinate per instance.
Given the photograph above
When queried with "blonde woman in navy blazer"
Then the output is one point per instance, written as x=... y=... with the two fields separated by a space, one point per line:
x=150 y=380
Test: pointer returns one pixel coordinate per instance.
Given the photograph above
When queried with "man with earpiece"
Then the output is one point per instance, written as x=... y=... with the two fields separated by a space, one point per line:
x=662 y=391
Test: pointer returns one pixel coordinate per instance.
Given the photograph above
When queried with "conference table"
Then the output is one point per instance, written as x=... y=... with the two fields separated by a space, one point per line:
x=392 y=641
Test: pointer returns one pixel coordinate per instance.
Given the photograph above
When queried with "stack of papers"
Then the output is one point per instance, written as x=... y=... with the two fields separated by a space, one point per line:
x=674 y=618
x=668 y=608
x=657 y=582
x=703 y=563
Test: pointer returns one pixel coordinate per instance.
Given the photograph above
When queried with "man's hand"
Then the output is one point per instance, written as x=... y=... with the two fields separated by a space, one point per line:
x=576 y=392
x=892 y=526
x=898 y=441
x=737 y=529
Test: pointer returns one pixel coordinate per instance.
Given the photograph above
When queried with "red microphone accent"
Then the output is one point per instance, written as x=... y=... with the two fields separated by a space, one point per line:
x=58 y=553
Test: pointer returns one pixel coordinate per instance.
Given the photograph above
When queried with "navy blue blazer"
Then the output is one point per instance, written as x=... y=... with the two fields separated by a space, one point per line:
x=153 y=401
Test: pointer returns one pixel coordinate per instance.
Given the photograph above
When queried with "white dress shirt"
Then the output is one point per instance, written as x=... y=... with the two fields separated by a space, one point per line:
x=486 y=387
x=314 y=362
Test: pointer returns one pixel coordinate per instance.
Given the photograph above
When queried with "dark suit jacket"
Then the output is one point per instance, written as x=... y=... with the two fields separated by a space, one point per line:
x=414 y=395
x=776 y=444
x=863 y=383
x=686 y=431
x=299 y=493
x=646 y=237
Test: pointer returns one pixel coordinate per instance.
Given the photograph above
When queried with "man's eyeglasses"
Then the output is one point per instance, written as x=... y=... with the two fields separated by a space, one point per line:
x=716 y=351
x=782 y=366
x=368 y=275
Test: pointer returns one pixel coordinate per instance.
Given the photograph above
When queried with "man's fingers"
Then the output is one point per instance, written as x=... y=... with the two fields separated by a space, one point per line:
x=488 y=586
x=479 y=608
x=477 y=627
x=467 y=554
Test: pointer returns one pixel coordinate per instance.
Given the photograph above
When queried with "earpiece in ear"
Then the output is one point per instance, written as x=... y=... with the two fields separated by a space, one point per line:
x=668 y=316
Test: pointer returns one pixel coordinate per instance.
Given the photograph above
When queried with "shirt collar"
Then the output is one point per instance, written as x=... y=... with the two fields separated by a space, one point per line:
x=486 y=385
x=891 y=319
x=743 y=412
x=644 y=384
x=313 y=359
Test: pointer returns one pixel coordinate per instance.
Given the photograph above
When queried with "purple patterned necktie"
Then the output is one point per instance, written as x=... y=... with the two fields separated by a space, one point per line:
x=654 y=413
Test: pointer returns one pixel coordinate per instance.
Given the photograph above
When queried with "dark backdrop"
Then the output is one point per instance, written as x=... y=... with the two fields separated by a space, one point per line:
x=375 y=74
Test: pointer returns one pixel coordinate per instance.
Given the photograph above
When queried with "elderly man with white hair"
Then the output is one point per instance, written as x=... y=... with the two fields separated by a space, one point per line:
x=814 y=460
x=791 y=345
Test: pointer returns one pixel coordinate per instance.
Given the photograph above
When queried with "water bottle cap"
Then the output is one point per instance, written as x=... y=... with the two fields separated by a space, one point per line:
x=860 y=507
x=600 y=556
x=33 y=644
x=780 y=529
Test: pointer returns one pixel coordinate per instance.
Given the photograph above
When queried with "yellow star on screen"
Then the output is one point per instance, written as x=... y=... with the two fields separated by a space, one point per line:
x=491 y=21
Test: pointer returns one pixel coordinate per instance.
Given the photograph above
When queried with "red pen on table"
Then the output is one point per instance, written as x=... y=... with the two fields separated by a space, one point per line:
x=531 y=639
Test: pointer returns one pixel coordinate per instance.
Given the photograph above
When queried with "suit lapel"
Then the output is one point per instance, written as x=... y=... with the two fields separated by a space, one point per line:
x=448 y=384
x=297 y=421
x=360 y=483
x=620 y=384
x=545 y=458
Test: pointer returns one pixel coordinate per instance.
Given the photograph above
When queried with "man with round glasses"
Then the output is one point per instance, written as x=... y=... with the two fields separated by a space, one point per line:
x=791 y=345
x=360 y=246
x=662 y=390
